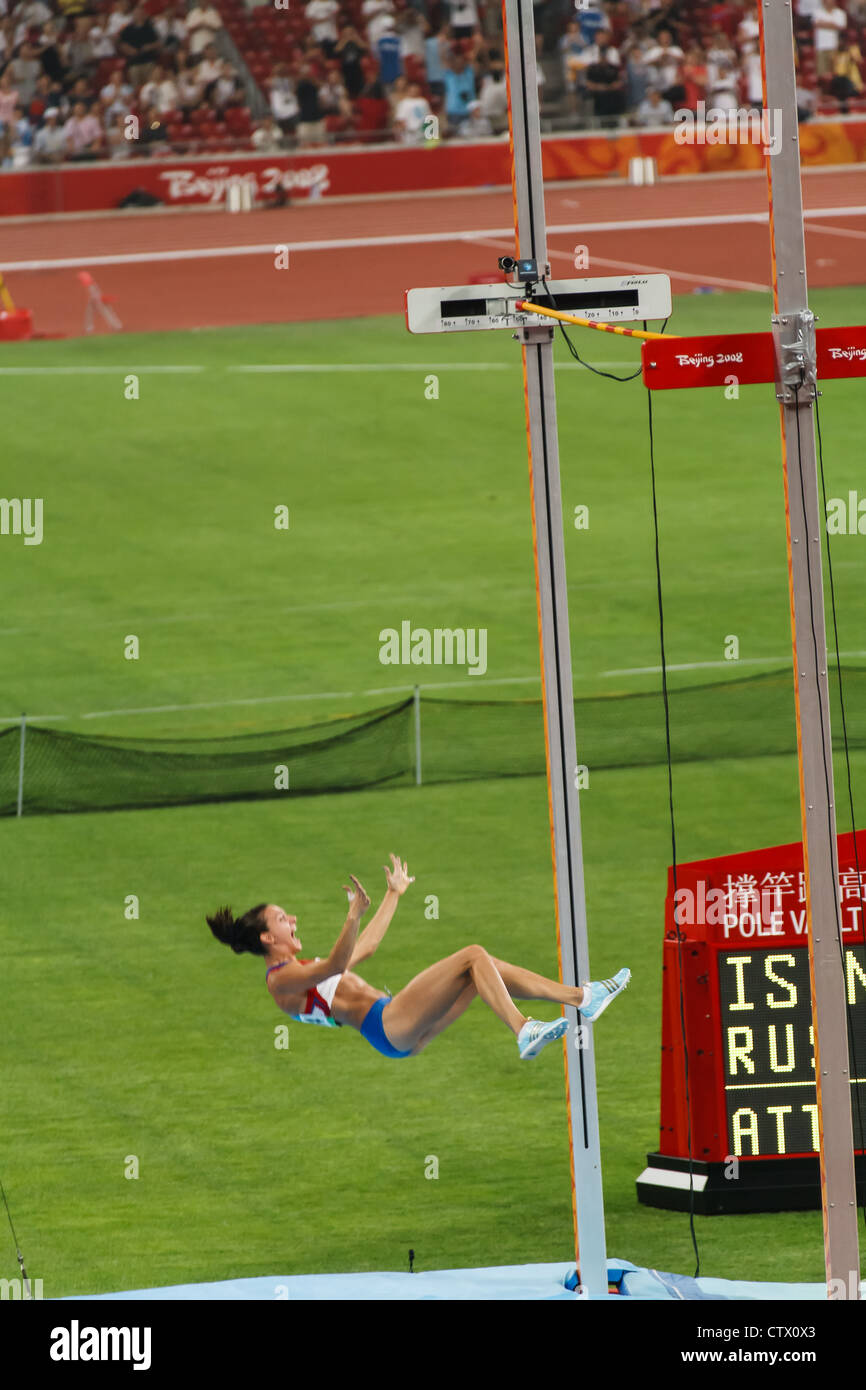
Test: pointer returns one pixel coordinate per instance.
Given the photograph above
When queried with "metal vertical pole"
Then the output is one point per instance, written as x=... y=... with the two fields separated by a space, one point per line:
x=20 y=810
x=794 y=334
x=555 y=654
x=417 y=736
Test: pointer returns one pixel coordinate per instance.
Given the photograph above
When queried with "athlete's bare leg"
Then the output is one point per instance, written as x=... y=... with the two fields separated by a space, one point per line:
x=525 y=984
x=431 y=995
x=440 y=994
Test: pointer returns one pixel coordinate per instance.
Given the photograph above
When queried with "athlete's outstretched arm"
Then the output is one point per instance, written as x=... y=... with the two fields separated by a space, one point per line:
x=398 y=880
x=341 y=955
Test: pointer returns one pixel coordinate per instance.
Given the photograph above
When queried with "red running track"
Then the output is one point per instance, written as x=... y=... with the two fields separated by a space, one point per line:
x=354 y=258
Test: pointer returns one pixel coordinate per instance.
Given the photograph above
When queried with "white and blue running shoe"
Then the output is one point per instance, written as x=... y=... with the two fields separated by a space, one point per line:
x=534 y=1035
x=597 y=994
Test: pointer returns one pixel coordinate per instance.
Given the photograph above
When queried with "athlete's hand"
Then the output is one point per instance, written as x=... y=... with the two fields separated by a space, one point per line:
x=397 y=877
x=358 y=897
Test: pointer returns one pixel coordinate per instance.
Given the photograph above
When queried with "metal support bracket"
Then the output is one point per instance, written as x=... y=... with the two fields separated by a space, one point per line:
x=796 y=357
x=534 y=335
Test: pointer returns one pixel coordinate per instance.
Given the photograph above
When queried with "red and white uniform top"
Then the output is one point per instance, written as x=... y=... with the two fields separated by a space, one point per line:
x=318 y=1001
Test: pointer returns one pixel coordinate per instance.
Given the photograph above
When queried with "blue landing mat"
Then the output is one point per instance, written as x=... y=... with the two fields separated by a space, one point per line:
x=507 y=1282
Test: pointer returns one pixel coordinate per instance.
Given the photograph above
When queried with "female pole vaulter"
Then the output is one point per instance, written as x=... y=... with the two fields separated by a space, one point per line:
x=328 y=993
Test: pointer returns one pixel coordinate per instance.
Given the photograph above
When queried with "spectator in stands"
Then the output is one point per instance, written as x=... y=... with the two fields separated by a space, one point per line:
x=412 y=31
x=463 y=15
x=695 y=76
x=387 y=50
x=605 y=83
x=573 y=48
x=189 y=86
x=372 y=89
x=161 y=90
x=437 y=55
x=80 y=54
x=267 y=138
x=227 y=90
x=846 y=82
x=350 y=49
x=654 y=110
x=202 y=23
x=411 y=115
x=724 y=93
x=459 y=80
x=121 y=15
x=590 y=19
x=32 y=14
x=720 y=53
x=395 y=93
x=210 y=70
x=748 y=31
x=152 y=131
x=311 y=125
x=806 y=100
x=116 y=96
x=20 y=139
x=25 y=70
x=79 y=91
x=283 y=100
x=322 y=16
x=476 y=125
x=664 y=61
x=334 y=100
x=828 y=22
x=494 y=97
x=42 y=98
x=116 y=138
x=50 y=54
x=601 y=47
x=374 y=12
x=139 y=43
x=49 y=142
x=8 y=98
x=171 y=28
x=637 y=72
x=84 y=135
x=103 y=44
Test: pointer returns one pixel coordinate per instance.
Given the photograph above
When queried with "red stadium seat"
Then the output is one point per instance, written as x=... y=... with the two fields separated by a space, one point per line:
x=372 y=113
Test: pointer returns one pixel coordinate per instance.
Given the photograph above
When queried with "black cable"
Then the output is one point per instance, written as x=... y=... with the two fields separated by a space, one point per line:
x=576 y=355
x=851 y=1040
x=15 y=1239
x=680 y=936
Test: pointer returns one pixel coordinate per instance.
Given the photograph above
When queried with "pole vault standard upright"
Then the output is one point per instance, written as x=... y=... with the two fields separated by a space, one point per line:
x=796 y=356
x=531 y=234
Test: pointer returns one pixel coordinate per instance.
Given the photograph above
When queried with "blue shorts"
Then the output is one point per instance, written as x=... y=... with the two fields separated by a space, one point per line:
x=372 y=1030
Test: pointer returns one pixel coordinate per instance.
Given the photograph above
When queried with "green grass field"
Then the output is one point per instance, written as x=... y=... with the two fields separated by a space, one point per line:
x=142 y=1038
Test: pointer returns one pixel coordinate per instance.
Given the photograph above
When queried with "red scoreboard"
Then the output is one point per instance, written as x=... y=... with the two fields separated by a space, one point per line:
x=737 y=1039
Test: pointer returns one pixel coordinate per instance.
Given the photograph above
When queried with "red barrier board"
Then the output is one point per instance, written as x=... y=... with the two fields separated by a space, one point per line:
x=747 y=358
x=181 y=181
x=738 y=947
x=708 y=361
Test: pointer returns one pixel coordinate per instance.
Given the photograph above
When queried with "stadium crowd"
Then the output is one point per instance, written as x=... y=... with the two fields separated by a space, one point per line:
x=115 y=79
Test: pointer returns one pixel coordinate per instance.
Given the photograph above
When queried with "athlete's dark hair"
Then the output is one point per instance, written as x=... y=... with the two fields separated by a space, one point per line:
x=242 y=934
